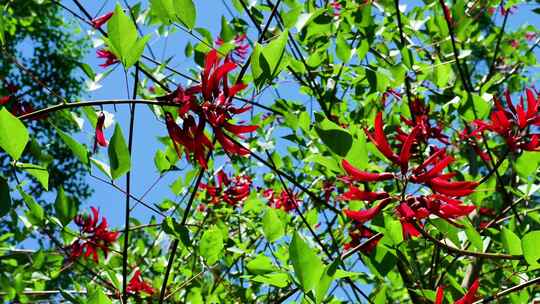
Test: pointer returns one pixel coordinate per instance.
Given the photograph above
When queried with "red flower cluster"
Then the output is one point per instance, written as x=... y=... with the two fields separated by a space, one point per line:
x=429 y=173
x=92 y=236
x=100 y=21
x=137 y=284
x=468 y=298
x=232 y=191
x=109 y=57
x=241 y=47
x=359 y=233
x=281 y=201
x=214 y=107
x=513 y=123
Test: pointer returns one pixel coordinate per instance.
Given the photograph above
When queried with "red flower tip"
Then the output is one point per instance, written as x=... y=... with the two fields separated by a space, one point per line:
x=440 y=295
x=137 y=284
x=4 y=100
x=470 y=296
x=357 y=194
x=99 y=138
x=99 y=21
x=380 y=141
x=362 y=176
x=363 y=216
x=109 y=57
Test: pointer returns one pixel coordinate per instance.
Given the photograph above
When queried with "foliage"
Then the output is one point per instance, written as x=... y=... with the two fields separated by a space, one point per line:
x=404 y=168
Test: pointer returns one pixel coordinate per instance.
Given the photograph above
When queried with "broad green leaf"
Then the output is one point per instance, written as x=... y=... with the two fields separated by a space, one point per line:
x=97 y=296
x=343 y=50
x=527 y=164
x=511 y=242
x=77 y=148
x=227 y=32
x=261 y=264
x=122 y=33
x=103 y=167
x=279 y=280
x=185 y=12
x=326 y=280
x=308 y=267
x=274 y=52
x=358 y=154
x=38 y=172
x=334 y=137
x=136 y=51
x=119 y=158
x=529 y=244
x=211 y=245
x=273 y=228
x=474 y=237
x=65 y=207
x=35 y=213
x=13 y=134
x=161 y=161
x=5 y=197
x=394 y=230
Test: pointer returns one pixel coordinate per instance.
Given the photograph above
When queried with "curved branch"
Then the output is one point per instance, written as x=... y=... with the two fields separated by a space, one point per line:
x=509 y=290
x=458 y=251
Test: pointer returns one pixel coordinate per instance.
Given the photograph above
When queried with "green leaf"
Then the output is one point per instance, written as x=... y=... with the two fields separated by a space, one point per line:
x=279 y=280
x=185 y=12
x=334 y=137
x=274 y=51
x=529 y=244
x=171 y=227
x=119 y=158
x=5 y=197
x=227 y=32
x=97 y=296
x=66 y=207
x=136 y=51
x=308 y=267
x=474 y=237
x=394 y=230
x=511 y=242
x=122 y=33
x=527 y=164
x=161 y=161
x=13 y=134
x=35 y=213
x=261 y=264
x=103 y=167
x=326 y=280
x=77 y=148
x=211 y=245
x=38 y=172
x=343 y=50
x=273 y=228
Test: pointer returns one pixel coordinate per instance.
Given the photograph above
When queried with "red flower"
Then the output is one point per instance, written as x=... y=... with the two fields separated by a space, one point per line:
x=282 y=201
x=359 y=233
x=362 y=176
x=362 y=216
x=380 y=141
x=513 y=123
x=99 y=138
x=109 y=57
x=92 y=236
x=357 y=194
x=215 y=107
x=232 y=191
x=137 y=284
x=468 y=298
x=241 y=47
x=99 y=21
x=4 y=100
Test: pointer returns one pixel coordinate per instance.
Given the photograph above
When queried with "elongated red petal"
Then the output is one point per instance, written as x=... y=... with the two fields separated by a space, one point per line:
x=433 y=172
x=380 y=141
x=100 y=136
x=430 y=160
x=405 y=153
x=357 y=194
x=239 y=129
x=363 y=216
x=470 y=296
x=363 y=176
x=440 y=295
x=98 y=22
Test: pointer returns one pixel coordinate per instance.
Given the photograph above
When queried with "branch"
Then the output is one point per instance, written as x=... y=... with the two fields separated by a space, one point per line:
x=458 y=251
x=509 y=290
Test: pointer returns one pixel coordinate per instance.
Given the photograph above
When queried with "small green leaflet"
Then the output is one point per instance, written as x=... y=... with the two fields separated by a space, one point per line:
x=119 y=158
x=211 y=245
x=123 y=39
x=308 y=267
x=97 y=296
x=13 y=134
x=77 y=148
x=529 y=244
x=38 y=172
x=181 y=11
x=267 y=61
x=272 y=226
x=65 y=207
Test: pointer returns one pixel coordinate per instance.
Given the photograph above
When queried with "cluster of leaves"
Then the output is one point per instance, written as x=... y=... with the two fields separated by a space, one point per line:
x=289 y=212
